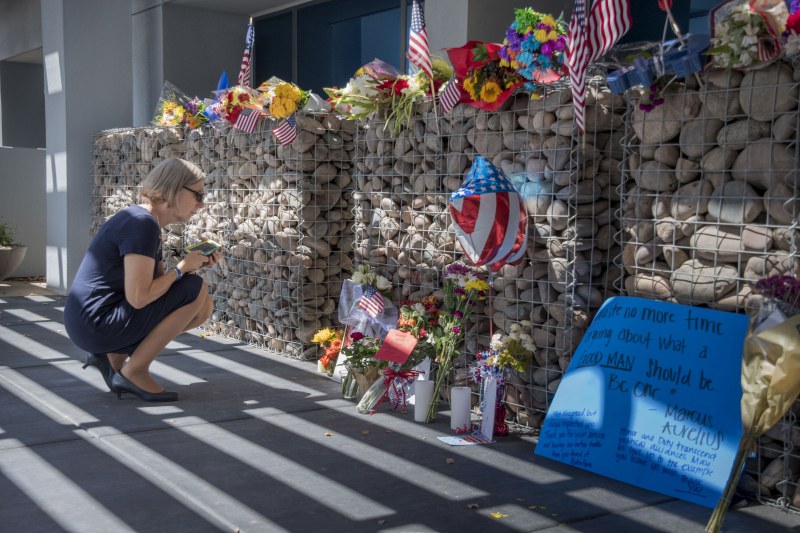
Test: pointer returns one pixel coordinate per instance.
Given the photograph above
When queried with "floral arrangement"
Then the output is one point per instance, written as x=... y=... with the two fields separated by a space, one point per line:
x=737 y=30
x=360 y=352
x=482 y=77
x=331 y=341
x=363 y=275
x=463 y=288
x=536 y=47
x=378 y=85
x=653 y=96
x=176 y=108
x=283 y=98
x=419 y=318
x=770 y=366
x=236 y=98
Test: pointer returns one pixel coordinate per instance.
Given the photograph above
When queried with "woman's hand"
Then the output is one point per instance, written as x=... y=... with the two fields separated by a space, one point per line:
x=194 y=261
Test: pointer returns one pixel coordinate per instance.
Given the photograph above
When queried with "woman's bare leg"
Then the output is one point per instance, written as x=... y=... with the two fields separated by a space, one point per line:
x=138 y=368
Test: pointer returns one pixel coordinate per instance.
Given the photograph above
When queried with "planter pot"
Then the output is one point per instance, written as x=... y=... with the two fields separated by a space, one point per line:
x=10 y=259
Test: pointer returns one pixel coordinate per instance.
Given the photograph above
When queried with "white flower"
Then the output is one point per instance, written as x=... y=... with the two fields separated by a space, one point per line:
x=419 y=308
x=382 y=284
x=745 y=59
x=749 y=40
x=792 y=45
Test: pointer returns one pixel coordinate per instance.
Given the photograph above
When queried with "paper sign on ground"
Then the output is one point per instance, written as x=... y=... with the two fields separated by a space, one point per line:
x=652 y=397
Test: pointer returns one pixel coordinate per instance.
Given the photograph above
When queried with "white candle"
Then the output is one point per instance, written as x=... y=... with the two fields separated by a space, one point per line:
x=460 y=403
x=423 y=393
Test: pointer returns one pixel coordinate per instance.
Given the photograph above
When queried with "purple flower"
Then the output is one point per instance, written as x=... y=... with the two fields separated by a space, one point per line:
x=513 y=38
x=456 y=268
x=458 y=290
x=456 y=330
x=458 y=314
x=547 y=48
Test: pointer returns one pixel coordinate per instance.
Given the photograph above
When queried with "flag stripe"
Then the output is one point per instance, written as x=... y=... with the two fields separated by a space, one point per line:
x=590 y=39
x=371 y=301
x=450 y=96
x=418 y=52
x=247 y=120
x=287 y=131
x=246 y=69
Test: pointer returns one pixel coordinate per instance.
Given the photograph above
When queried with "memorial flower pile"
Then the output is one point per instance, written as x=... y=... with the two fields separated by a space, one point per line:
x=488 y=82
x=463 y=287
x=535 y=46
x=331 y=341
x=379 y=85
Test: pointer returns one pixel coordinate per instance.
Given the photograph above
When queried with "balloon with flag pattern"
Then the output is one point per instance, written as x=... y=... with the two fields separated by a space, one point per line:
x=490 y=217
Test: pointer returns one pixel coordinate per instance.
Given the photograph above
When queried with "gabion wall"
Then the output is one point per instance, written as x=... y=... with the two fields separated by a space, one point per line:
x=403 y=227
x=711 y=205
x=687 y=203
x=282 y=214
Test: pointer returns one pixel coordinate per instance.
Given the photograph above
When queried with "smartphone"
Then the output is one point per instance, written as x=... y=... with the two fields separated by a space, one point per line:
x=206 y=247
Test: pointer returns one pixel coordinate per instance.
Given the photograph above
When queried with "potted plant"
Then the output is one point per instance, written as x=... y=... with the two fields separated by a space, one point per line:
x=11 y=252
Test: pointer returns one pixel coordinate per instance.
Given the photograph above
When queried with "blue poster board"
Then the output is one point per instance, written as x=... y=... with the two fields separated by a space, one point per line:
x=652 y=398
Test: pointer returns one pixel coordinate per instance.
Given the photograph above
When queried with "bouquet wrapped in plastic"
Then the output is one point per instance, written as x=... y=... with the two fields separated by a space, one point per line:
x=176 y=108
x=770 y=373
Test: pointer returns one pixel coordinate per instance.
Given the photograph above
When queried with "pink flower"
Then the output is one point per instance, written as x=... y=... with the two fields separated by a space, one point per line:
x=356 y=335
x=456 y=330
x=458 y=314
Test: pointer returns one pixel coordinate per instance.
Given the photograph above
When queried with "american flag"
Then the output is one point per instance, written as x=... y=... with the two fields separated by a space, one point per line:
x=246 y=69
x=286 y=132
x=450 y=96
x=418 y=52
x=247 y=119
x=767 y=49
x=590 y=39
x=371 y=301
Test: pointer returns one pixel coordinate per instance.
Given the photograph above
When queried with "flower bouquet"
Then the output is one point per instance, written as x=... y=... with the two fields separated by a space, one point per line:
x=231 y=102
x=331 y=341
x=463 y=288
x=770 y=373
x=359 y=353
x=175 y=108
x=485 y=82
x=536 y=47
x=745 y=33
x=378 y=85
x=283 y=98
x=505 y=354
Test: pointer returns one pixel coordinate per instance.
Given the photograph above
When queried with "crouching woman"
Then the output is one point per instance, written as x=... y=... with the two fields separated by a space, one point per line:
x=123 y=308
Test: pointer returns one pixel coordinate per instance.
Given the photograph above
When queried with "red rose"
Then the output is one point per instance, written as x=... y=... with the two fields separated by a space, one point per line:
x=356 y=335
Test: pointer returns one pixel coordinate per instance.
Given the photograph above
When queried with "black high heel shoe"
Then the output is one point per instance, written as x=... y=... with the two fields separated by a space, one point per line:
x=122 y=384
x=101 y=363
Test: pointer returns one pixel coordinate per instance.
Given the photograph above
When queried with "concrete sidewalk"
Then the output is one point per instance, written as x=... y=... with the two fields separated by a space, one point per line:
x=259 y=442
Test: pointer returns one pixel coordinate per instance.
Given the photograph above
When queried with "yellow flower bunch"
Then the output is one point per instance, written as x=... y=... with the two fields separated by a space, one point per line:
x=326 y=336
x=173 y=114
x=288 y=98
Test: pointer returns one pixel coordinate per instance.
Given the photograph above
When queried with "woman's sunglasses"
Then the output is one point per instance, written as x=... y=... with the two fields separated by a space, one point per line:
x=197 y=194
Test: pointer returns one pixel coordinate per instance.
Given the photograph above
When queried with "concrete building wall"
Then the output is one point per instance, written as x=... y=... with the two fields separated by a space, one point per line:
x=20 y=27
x=21 y=171
x=85 y=91
x=22 y=104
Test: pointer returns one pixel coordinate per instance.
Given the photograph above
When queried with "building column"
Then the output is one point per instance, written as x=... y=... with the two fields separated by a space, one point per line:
x=87 y=64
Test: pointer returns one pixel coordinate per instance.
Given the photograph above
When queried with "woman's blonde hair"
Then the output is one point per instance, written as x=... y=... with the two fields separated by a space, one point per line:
x=166 y=180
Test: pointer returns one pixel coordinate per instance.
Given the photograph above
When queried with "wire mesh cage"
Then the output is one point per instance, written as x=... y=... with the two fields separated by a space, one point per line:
x=282 y=214
x=709 y=206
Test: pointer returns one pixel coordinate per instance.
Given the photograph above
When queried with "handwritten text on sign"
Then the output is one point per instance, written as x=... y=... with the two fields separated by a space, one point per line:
x=651 y=397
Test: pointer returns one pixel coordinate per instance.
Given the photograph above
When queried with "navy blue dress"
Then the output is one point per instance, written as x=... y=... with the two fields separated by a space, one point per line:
x=97 y=316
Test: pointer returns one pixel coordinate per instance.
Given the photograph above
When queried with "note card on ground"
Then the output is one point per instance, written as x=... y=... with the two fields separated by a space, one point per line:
x=396 y=346
x=652 y=398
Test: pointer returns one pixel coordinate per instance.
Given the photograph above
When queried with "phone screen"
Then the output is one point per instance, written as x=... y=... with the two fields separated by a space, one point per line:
x=205 y=247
